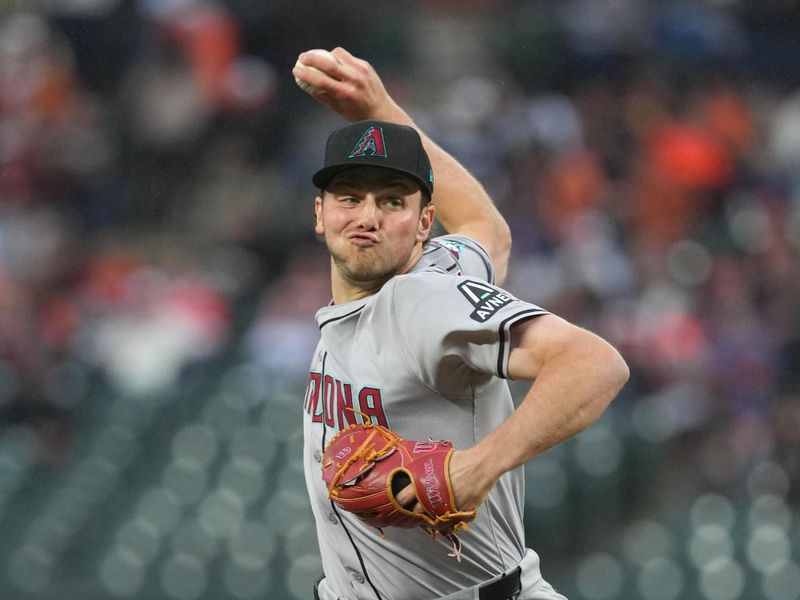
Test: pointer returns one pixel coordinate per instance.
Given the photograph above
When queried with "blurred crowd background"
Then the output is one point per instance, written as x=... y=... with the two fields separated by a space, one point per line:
x=159 y=277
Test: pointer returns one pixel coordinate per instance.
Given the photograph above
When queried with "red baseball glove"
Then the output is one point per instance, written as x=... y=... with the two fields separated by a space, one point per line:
x=365 y=466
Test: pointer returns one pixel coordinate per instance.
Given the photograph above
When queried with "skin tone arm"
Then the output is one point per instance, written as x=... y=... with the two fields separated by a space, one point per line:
x=354 y=90
x=576 y=375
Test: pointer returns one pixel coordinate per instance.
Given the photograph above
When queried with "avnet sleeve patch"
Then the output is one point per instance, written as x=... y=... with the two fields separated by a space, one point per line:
x=484 y=298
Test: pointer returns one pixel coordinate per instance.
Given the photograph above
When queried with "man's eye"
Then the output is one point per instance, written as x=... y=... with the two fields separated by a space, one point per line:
x=394 y=202
x=348 y=199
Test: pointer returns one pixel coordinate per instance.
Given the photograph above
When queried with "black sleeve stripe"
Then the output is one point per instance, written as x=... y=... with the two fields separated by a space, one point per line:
x=340 y=317
x=505 y=343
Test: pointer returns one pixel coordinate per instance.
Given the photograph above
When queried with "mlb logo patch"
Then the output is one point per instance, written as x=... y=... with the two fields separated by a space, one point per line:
x=453 y=246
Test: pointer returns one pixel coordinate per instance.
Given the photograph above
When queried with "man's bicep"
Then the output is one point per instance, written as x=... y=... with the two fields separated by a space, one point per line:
x=534 y=340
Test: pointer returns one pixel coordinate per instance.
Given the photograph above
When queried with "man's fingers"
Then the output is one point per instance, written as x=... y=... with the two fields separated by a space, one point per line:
x=341 y=54
x=404 y=492
x=324 y=61
x=406 y=496
x=408 y=500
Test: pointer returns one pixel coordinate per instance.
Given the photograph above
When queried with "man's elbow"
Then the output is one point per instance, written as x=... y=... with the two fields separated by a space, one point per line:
x=623 y=371
x=617 y=371
x=609 y=371
x=503 y=239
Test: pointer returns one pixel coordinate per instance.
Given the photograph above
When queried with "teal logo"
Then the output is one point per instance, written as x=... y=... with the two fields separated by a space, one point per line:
x=453 y=246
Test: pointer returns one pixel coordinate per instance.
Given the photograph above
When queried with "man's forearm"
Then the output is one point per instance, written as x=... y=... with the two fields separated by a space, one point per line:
x=570 y=393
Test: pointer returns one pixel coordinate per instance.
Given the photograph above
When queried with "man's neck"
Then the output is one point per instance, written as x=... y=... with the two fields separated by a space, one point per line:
x=345 y=291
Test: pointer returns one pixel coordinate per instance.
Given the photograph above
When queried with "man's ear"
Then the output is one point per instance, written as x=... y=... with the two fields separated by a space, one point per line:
x=426 y=217
x=318 y=228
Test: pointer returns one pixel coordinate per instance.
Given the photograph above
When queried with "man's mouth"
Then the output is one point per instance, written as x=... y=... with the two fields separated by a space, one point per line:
x=363 y=239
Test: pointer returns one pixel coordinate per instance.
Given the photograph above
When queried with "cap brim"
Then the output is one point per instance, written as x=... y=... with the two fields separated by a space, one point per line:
x=325 y=175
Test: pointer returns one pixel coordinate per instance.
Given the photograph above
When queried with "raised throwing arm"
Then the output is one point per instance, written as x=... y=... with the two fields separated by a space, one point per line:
x=351 y=87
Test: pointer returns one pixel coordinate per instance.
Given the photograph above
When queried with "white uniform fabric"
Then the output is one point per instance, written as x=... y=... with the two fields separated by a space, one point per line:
x=426 y=357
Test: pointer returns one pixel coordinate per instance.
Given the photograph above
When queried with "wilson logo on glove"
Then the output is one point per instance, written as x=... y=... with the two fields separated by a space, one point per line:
x=378 y=464
x=423 y=447
x=431 y=483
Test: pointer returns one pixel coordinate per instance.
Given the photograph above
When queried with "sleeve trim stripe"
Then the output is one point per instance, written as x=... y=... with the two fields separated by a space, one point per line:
x=505 y=342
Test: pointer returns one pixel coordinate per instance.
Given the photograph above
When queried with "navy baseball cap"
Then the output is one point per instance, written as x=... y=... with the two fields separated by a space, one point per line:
x=376 y=144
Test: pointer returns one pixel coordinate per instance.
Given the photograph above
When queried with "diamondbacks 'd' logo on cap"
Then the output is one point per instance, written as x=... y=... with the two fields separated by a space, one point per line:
x=485 y=298
x=370 y=144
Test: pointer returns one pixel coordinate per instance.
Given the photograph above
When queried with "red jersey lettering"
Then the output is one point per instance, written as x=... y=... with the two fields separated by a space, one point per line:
x=371 y=404
x=312 y=405
x=344 y=404
x=329 y=398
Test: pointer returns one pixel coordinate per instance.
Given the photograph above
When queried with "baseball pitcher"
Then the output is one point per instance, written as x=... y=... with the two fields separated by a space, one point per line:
x=414 y=451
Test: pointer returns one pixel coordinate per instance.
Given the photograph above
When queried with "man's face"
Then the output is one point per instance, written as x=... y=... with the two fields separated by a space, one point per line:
x=371 y=221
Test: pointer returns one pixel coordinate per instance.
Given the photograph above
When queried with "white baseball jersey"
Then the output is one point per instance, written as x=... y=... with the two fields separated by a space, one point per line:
x=426 y=356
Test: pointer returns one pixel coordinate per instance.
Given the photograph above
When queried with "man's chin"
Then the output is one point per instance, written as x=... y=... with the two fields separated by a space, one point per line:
x=367 y=267
x=369 y=275
x=365 y=273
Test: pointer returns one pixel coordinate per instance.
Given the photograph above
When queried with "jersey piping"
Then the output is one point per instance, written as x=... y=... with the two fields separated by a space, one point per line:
x=505 y=343
x=344 y=316
x=333 y=505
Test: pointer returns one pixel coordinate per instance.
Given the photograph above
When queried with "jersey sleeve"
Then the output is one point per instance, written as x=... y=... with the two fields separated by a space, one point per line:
x=472 y=259
x=455 y=331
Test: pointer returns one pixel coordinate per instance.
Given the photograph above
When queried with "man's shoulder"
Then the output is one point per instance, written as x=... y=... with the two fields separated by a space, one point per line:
x=433 y=288
x=455 y=254
x=409 y=289
x=424 y=279
x=456 y=243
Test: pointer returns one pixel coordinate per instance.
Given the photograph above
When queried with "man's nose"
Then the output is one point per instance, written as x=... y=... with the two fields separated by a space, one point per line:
x=367 y=217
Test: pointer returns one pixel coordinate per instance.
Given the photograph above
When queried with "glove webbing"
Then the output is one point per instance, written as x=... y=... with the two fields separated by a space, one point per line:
x=366 y=451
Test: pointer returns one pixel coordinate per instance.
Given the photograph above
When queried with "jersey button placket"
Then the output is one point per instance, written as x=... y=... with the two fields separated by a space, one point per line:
x=332 y=519
x=317 y=455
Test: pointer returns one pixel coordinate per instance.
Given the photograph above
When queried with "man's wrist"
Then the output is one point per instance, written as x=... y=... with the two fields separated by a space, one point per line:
x=390 y=111
x=483 y=466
